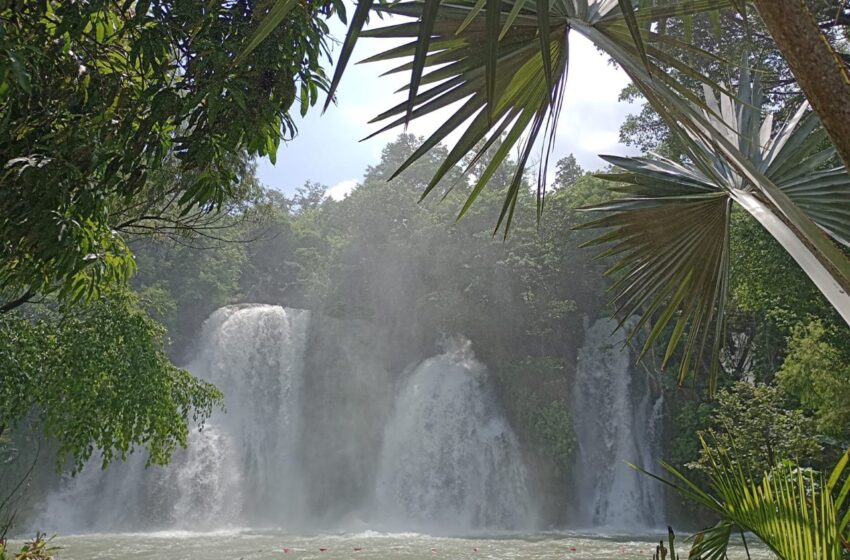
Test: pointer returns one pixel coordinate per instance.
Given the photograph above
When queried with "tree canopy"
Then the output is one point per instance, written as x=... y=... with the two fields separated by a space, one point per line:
x=95 y=97
x=97 y=378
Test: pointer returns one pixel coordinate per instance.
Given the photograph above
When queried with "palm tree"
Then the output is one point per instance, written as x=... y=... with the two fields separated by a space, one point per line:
x=505 y=63
x=671 y=228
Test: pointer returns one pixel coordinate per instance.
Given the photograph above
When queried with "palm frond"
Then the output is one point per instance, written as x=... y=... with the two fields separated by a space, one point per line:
x=662 y=268
x=506 y=64
x=358 y=20
x=839 y=485
x=712 y=543
x=503 y=88
x=670 y=234
x=794 y=158
x=793 y=511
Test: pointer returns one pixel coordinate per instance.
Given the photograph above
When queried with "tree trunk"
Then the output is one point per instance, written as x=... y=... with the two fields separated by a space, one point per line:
x=819 y=70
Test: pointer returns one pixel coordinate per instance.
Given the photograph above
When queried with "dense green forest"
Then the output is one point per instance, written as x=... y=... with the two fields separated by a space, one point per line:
x=380 y=256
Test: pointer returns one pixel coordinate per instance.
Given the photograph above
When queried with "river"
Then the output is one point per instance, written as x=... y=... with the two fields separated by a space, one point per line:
x=262 y=545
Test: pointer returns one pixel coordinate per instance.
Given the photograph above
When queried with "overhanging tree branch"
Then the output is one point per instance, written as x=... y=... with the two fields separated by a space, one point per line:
x=6 y=307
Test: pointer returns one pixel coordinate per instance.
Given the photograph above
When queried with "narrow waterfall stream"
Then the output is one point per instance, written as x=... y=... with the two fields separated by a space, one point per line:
x=617 y=421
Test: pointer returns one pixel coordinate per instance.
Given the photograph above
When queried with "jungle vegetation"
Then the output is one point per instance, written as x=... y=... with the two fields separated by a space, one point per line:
x=128 y=201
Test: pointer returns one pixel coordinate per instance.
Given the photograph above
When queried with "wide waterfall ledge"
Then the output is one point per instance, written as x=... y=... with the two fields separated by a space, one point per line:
x=320 y=434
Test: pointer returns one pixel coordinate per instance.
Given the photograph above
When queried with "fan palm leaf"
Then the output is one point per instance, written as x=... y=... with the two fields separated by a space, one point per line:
x=506 y=64
x=670 y=236
x=709 y=138
x=670 y=231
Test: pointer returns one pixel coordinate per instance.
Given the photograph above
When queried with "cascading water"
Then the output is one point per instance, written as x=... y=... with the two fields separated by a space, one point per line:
x=315 y=438
x=450 y=462
x=617 y=421
x=240 y=468
x=255 y=355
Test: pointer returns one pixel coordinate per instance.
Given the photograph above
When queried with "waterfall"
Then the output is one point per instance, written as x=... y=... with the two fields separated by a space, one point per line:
x=239 y=469
x=617 y=420
x=450 y=462
x=255 y=355
x=315 y=437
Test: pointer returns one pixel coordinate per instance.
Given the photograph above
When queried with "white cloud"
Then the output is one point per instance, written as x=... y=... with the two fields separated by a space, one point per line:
x=341 y=189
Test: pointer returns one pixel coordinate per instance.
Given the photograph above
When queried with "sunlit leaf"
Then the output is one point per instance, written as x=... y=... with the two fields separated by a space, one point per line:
x=790 y=509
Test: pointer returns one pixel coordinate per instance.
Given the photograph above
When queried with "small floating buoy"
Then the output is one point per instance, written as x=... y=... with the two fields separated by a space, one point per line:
x=322 y=549
x=434 y=551
x=572 y=549
x=285 y=550
x=474 y=549
x=357 y=549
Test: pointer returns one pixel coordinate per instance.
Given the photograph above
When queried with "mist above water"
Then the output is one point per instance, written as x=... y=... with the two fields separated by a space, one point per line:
x=318 y=435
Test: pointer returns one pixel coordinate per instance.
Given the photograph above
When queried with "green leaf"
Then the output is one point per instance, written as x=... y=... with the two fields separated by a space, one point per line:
x=711 y=543
x=492 y=40
x=791 y=511
x=672 y=237
x=358 y=20
x=267 y=25
x=544 y=30
x=22 y=77
x=512 y=15
x=634 y=30
x=426 y=28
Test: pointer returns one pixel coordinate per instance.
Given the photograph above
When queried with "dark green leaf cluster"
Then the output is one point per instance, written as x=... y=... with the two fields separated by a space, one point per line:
x=817 y=372
x=96 y=96
x=97 y=378
x=553 y=425
x=752 y=425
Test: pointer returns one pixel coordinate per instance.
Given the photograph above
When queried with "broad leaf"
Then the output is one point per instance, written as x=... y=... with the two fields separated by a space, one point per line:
x=670 y=236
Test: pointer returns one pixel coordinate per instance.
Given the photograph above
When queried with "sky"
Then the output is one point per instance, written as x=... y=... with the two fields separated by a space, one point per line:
x=328 y=149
